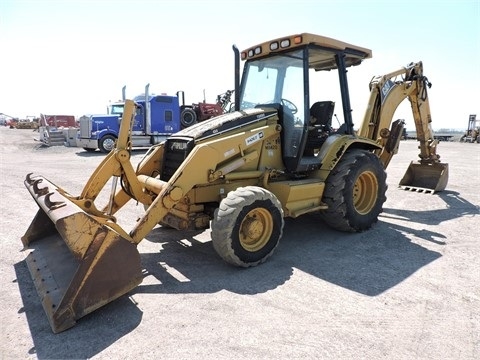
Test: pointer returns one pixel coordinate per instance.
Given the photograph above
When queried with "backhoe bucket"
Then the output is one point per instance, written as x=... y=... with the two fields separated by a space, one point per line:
x=428 y=178
x=77 y=263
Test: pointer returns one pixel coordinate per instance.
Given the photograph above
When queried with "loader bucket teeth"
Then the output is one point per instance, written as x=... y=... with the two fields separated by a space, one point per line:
x=428 y=178
x=77 y=264
x=29 y=179
x=39 y=191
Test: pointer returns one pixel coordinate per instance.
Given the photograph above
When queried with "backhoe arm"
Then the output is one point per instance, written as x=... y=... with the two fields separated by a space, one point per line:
x=386 y=93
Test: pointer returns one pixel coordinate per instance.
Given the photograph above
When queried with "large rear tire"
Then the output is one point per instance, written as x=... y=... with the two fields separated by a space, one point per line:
x=247 y=226
x=355 y=192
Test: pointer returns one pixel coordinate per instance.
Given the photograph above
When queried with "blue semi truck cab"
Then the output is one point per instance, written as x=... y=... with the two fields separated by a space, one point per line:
x=156 y=118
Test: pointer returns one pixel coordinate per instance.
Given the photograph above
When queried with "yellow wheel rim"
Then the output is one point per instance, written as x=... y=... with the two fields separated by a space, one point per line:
x=256 y=229
x=365 y=192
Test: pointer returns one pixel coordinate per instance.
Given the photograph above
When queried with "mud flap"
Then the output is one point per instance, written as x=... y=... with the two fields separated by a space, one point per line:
x=428 y=178
x=77 y=264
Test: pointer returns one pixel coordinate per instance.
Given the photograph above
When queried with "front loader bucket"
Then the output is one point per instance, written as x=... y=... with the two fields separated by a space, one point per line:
x=77 y=263
x=428 y=178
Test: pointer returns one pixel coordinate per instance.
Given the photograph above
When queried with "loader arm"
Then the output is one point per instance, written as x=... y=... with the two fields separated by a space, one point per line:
x=387 y=92
x=200 y=168
x=116 y=165
x=148 y=166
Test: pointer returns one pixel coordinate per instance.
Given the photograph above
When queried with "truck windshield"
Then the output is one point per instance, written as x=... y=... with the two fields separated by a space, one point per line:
x=277 y=79
x=116 y=109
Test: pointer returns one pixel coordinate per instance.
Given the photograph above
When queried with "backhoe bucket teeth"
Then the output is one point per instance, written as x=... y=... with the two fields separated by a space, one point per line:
x=428 y=178
x=77 y=263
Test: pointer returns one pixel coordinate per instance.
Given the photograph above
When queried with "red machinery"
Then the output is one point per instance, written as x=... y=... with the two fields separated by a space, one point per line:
x=203 y=111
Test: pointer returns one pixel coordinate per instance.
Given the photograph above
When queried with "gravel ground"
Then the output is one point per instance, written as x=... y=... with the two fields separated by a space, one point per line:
x=407 y=289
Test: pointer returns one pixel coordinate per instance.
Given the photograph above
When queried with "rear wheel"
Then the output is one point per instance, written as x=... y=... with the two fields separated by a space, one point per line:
x=247 y=226
x=107 y=143
x=355 y=192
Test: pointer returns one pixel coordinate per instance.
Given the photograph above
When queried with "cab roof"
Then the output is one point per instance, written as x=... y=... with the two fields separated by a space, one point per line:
x=323 y=59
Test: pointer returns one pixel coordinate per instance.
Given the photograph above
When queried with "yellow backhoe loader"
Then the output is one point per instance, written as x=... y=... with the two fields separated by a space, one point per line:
x=277 y=155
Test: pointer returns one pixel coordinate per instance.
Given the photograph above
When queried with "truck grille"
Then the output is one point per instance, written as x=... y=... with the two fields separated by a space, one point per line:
x=176 y=151
x=85 y=127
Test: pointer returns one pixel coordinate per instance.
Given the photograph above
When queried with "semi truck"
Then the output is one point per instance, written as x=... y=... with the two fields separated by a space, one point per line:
x=156 y=118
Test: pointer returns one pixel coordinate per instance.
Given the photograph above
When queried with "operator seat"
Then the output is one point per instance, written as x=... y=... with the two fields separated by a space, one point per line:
x=320 y=127
x=322 y=111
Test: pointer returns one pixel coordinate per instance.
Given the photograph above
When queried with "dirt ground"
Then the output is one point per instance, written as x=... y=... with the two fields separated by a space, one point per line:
x=407 y=289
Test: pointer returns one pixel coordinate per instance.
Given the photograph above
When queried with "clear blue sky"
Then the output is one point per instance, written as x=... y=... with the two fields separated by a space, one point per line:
x=73 y=57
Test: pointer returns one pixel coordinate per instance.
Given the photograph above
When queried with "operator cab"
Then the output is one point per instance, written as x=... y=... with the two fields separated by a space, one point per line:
x=283 y=74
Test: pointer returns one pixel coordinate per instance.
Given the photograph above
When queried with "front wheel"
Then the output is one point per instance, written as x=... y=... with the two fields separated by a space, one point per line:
x=355 y=192
x=247 y=226
x=107 y=143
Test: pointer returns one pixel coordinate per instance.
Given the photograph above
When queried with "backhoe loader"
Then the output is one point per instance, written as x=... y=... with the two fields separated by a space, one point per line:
x=241 y=173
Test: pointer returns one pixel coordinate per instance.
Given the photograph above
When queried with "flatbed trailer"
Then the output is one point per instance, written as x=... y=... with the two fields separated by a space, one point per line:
x=439 y=137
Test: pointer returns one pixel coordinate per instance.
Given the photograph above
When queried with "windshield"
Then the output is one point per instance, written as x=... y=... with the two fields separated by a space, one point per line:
x=277 y=79
x=116 y=109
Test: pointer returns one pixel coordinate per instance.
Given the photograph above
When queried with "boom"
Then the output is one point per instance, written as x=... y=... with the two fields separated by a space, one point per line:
x=387 y=92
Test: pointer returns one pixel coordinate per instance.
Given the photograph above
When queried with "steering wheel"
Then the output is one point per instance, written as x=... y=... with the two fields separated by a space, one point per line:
x=289 y=105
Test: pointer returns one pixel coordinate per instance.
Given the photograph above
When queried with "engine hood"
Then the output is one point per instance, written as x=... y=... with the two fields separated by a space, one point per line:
x=225 y=123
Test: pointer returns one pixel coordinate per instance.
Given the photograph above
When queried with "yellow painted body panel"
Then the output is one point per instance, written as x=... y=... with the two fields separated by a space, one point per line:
x=299 y=197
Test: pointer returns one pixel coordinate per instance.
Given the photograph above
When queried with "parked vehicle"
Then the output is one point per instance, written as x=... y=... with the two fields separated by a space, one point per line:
x=473 y=130
x=203 y=111
x=7 y=120
x=57 y=130
x=156 y=118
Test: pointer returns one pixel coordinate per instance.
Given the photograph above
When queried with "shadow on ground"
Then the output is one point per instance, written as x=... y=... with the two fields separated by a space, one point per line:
x=455 y=207
x=368 y=263
x=358 y=262
x=98 y=153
